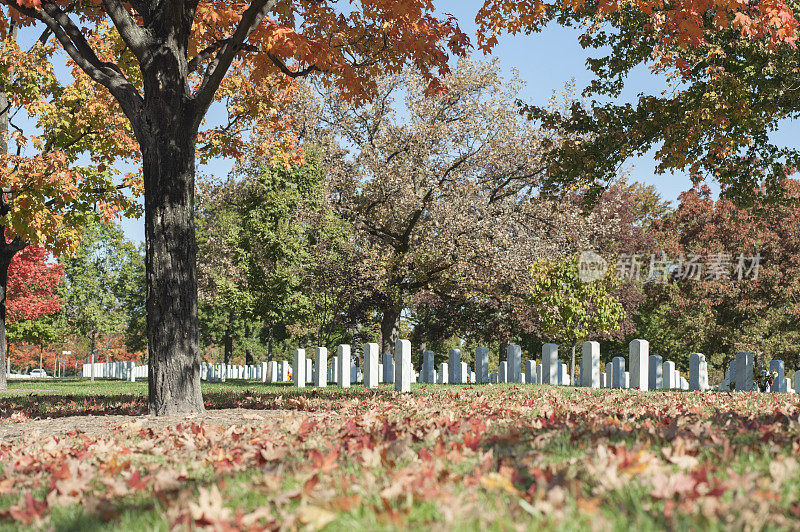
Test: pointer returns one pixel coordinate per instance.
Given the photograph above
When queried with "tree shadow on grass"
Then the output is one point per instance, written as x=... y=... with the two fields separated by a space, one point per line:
x=35 y=406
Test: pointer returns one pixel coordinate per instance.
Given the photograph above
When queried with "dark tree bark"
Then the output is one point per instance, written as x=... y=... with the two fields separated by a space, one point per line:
x=5 y=260
x=390 y=329
x=572 y=367
x=7 y=249
x=271 y=342
x=92 y=349
x=227 y=340
x=248 y=349
x=172 y=326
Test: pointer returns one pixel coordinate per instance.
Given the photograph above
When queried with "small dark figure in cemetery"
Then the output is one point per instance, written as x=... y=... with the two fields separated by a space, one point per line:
x=765 y=379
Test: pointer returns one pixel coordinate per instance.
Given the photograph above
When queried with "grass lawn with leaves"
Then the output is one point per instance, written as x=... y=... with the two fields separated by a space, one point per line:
x=500 y=457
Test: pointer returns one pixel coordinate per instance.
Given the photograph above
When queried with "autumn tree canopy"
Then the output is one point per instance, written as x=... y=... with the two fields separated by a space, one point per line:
x=733 y=67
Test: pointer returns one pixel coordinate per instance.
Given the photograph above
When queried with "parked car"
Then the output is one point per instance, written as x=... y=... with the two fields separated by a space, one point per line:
x=38 y=374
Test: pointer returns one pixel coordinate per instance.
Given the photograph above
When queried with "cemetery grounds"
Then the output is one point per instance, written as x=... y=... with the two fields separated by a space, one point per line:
x=499 y=457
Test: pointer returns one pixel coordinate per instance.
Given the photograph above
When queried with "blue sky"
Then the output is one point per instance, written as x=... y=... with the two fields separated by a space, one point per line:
x=546 y=61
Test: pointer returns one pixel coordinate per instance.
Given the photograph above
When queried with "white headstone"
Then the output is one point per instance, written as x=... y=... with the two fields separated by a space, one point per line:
x=618 y=375
x=454 y=365
x=444 y=373
x=590 y=365
x=321 y=367
x=482 y=364
x=549 y=364
x=464 y=378
x=656 y=380
x=778 y=383
x=502 y=372
x=402 y=366
x=530 y=371
x=371 y=369
x=563 y=374
x=744 y=372
x=299 y=368
x=639 y=354
x=388 y=368
x=343 y=366
x=514 y=358
x=669 y=375
x=695 y=359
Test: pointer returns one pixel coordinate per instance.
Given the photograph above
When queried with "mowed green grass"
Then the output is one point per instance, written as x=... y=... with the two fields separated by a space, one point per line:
x=443 y=457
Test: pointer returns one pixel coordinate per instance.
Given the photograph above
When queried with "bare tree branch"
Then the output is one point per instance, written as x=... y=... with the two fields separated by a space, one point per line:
x=289 y=72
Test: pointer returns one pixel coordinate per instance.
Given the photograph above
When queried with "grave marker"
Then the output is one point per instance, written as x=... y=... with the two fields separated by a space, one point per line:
x=372 y=372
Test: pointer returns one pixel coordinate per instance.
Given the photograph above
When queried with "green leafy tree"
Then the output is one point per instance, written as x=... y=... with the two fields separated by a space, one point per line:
x=100 y=281
x=40 y=332
x=571 y=309
x=273 y=257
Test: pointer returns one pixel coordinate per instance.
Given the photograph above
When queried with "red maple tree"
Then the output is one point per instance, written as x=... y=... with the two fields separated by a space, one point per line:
x=33 y=278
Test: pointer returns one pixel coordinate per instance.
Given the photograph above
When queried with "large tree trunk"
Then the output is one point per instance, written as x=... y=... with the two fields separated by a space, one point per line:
x=4 y=263
x=172 y=324
x=5 y=254
x=271 y=342
x=248 y=348
x=572 y=367
x=390 y=329
x=227 y=340
x=92 y=349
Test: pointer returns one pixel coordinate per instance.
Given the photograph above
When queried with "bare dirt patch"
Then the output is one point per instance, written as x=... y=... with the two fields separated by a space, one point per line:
x=98 y=426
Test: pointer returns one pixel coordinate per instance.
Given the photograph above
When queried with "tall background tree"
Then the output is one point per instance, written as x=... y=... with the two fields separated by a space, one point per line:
x=33 y=287
x=99 y=280
x=442 y=189
x=746 y=305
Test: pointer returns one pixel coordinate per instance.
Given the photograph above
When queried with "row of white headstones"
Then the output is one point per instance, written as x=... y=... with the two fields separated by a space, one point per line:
x=645 y=372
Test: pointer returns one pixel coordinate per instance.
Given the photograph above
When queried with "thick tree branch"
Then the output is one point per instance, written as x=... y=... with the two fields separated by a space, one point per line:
x=251 y=18
x=208 y=52
x=75 y=44
x=134 y=36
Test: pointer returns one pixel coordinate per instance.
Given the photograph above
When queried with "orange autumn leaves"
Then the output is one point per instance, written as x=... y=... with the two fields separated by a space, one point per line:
x=480 y=456
x=681 y=23
x=350 y=45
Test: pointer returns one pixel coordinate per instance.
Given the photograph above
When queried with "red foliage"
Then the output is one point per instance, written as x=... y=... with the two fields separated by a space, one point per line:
x=32 y=281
